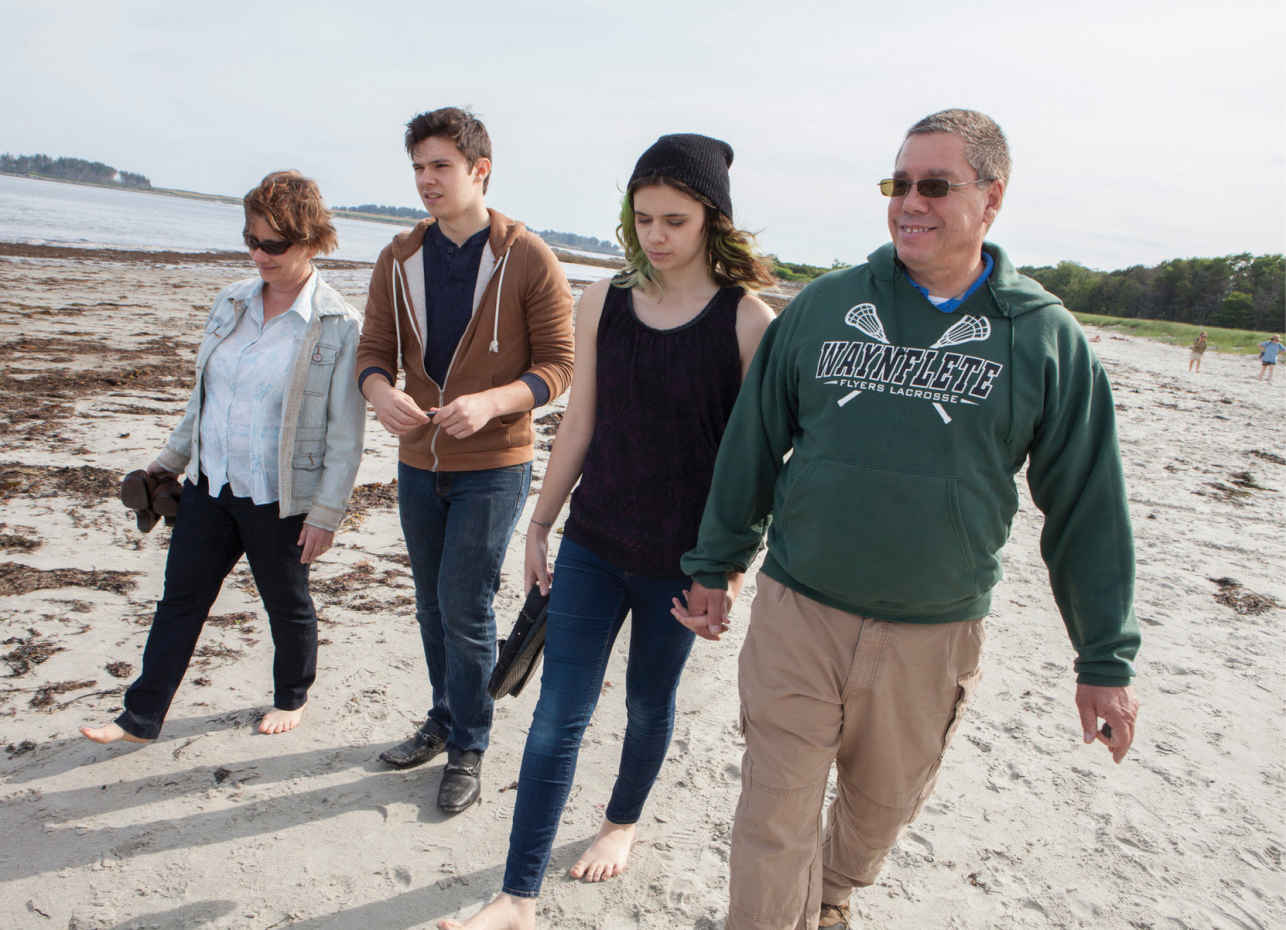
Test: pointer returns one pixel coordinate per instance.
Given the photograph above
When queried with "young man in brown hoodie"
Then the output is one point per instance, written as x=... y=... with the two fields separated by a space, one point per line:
x=476 y=311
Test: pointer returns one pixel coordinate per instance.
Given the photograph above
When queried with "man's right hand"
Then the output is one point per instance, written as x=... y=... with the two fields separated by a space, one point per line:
x=396 y=410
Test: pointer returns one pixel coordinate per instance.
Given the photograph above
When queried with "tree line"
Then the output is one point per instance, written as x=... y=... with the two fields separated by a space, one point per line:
x=71 y=169
x=409 y=213
x=577 y=241
x=1237 y=291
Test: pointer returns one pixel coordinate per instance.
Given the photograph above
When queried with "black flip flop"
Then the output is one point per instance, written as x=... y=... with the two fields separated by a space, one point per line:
x=520 y=652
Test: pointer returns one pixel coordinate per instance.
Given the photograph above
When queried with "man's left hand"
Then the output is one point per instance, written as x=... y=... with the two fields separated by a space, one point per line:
x=314 y=541
x=1117 y=706
x=465 y=415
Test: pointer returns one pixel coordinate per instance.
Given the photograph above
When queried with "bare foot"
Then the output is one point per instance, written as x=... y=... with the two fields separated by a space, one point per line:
x=608 y=855
x=110 y=733
x=280 y=721
x=505 y=912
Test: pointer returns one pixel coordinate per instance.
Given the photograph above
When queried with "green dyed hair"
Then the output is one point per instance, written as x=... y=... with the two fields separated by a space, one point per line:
x=731 y=255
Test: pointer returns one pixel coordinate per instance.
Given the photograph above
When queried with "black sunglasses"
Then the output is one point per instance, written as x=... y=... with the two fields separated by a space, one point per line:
x=927 y=187
x=267 y=246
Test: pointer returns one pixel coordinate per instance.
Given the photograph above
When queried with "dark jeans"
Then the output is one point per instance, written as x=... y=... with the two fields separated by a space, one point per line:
x=457 y=526
x=588 y=603
x=209 y=536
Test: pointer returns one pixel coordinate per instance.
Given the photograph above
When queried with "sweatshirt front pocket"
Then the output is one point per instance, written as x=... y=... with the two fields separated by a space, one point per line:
x=874 y=537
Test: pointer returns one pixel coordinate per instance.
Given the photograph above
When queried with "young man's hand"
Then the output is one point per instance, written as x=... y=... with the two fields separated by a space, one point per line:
x=396 y=410
x=465 y=415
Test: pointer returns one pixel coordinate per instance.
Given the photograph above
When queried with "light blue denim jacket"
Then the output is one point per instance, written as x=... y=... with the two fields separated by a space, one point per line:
x=323 y=418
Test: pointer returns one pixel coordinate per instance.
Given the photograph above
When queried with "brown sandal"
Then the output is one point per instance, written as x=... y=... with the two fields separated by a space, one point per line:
x=151 y=497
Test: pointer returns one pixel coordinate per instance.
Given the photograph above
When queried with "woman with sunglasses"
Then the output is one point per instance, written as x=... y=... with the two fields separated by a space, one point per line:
x=660 y=353
x=270 y=445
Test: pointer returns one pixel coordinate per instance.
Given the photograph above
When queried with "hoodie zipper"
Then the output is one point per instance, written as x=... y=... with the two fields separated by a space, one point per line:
x=498 y=267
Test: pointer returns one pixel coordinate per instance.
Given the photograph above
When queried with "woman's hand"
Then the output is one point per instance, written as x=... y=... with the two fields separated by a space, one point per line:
x=314 y=541
x=536 y=560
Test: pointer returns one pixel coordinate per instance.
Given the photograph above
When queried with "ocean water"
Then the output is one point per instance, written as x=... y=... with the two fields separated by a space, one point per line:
x=39 y=212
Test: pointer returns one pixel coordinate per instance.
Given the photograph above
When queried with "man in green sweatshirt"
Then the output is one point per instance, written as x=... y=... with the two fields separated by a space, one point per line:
x=876 y=441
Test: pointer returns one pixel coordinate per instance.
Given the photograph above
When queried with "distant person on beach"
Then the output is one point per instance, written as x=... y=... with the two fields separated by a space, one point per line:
x=660 y=353
x=1268 y=352
x=270 y=445
x=476 y=311
x=1199 y=346
x=880 y=428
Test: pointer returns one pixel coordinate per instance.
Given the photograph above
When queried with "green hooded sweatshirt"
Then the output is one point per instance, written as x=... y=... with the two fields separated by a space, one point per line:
x=876 y=439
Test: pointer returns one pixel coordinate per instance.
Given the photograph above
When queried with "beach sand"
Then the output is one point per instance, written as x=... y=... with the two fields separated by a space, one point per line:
x=217 y=826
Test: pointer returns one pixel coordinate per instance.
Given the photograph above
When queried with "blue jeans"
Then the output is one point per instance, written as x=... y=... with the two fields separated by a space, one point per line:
x=210 y=535
x=457 y=526
x=588 y=603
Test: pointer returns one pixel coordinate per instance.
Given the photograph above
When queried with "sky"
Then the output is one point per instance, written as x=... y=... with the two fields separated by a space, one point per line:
x=1140 y=131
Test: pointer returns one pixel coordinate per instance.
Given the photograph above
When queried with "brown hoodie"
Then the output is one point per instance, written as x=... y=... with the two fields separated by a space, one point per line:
x=521 y=324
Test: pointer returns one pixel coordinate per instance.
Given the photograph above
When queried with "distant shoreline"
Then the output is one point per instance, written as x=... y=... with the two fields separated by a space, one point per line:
x=199 y=195
x=89 y=253
x=167 y=191
x=777 y=297
x=158 y=256
x=227 y=198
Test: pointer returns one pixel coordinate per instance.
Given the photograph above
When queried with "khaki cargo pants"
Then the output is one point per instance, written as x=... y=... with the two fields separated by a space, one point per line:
x=820 y=685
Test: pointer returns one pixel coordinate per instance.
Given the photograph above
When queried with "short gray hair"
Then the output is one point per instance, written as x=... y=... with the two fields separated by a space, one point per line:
x=985 y=146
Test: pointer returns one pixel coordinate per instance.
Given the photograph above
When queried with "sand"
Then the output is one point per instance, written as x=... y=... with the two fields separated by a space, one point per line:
x=215 y=825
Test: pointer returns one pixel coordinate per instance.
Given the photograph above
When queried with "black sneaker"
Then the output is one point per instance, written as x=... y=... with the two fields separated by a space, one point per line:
x=461 y=782
x=425 y=743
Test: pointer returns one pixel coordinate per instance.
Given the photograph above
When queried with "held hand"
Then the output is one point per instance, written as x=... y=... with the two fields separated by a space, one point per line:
x=706 y=612
x=396 y=410
x=535 y=569
x=1117 y=706
x=314 y=541
x=465 y=415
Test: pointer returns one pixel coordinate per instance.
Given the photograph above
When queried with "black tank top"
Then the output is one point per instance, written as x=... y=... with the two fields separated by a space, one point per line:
x=663 y=398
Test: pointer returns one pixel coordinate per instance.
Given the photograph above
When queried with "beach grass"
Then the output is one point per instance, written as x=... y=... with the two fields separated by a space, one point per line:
x=1234 y=341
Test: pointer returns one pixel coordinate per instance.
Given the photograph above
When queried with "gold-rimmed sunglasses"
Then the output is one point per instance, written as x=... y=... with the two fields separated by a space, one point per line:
x=927 y=187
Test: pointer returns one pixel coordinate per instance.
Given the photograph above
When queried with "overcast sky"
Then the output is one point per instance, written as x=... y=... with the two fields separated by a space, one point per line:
x=1141 y=131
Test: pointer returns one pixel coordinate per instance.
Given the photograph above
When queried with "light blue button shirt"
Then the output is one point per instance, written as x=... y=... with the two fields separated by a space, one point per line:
x=245 y=385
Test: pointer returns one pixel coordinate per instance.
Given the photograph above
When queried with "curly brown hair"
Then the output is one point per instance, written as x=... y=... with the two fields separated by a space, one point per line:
x=292 y=205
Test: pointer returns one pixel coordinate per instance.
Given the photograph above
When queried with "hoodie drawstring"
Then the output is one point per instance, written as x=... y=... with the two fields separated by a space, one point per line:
x=495 y=324
x=397 y=323
x=1009 y=430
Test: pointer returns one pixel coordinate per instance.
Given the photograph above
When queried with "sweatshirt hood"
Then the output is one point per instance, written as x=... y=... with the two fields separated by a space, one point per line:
x=504 y=233
x=1013 y=294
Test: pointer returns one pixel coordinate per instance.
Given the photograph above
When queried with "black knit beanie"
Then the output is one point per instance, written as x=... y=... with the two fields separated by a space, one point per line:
x=698 y=161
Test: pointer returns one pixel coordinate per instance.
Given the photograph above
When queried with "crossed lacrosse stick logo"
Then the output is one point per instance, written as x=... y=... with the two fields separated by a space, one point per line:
x=866 y=320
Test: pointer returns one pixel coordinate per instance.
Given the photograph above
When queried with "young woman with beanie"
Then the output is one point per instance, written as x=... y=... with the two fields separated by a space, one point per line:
x=660 y=353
